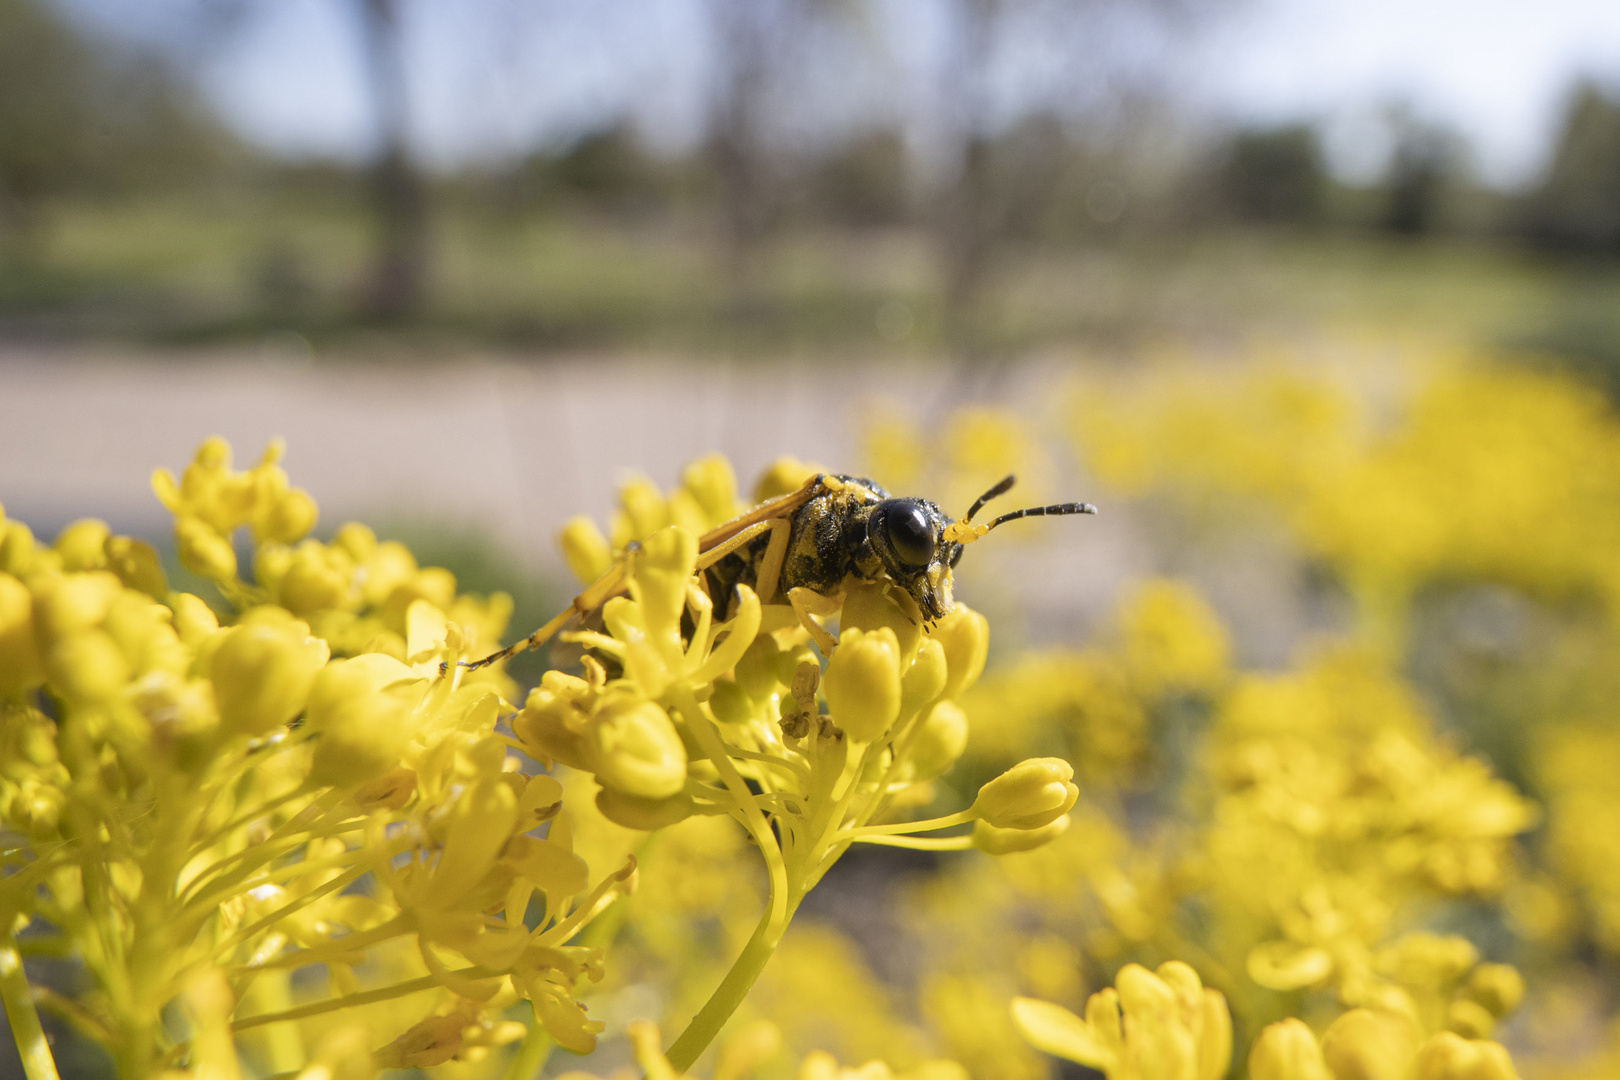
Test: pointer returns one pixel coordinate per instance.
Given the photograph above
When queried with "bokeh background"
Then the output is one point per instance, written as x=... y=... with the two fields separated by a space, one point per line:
x=1319 y=299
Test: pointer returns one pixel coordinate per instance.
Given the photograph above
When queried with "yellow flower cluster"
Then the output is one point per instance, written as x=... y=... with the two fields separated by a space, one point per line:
x=1163 y=1025
x=294 y=834
x=1298 y=834
x=1488 y=474
x=678 y=714
x=1164 y=645
x=211 y=809
x=1167 y=1025
x=282 y=842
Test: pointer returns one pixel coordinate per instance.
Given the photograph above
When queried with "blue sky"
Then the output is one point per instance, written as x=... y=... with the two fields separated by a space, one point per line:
x=495 y=76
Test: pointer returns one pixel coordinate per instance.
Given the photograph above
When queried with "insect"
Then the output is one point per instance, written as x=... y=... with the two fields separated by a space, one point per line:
x=810 y=544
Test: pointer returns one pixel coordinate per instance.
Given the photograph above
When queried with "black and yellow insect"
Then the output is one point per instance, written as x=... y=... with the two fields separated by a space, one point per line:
x=809 y=545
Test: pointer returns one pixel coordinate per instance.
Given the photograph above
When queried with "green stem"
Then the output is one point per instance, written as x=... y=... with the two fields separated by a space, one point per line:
x=364 y=997
x=23 y=1017
x=684 y=1052
x=921 y=843
x=863 y=832
x=778 y=910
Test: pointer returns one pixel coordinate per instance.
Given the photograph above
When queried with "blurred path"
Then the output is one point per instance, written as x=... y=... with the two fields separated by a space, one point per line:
x=511 y=449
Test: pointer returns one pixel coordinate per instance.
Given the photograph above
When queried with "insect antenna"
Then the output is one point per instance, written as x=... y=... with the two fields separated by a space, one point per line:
x=1055 y=510
x=1001 y=488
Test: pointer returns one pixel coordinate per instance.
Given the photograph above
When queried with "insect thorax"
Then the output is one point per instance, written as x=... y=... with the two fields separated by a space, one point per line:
x=826 y=545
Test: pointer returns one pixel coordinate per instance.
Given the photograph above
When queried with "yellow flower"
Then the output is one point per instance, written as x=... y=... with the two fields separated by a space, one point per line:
x=1366 y=1044
x=262 y=672
x=862 y=683
x=1029 y=795
x=1150 y=1026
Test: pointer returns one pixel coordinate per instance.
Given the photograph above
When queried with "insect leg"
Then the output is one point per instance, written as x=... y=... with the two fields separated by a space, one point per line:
x=804 y=601
x=769 y=574
x=726 y=547
x=600 y=591
x=533 y=641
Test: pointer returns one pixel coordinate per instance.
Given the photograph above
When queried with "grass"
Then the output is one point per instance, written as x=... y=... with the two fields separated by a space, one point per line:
x=239 y=266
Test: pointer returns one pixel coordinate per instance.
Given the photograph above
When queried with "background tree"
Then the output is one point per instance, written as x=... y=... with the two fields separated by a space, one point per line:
x=80 y=113
x=398 y=276
x=1274 y=176
x=1577 y=204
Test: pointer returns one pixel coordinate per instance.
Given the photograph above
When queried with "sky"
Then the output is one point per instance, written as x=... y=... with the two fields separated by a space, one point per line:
x=493 y=77
x=1497 y=70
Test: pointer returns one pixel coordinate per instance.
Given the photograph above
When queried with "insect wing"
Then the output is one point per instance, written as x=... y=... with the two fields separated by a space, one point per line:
x=770 y=509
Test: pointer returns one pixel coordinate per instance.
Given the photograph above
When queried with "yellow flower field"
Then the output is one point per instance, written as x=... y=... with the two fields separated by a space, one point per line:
x=273 y=828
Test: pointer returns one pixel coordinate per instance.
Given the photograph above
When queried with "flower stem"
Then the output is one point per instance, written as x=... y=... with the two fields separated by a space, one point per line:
x=921 y=843
x=731 y=991
x=23 y=1017
x=778 y=910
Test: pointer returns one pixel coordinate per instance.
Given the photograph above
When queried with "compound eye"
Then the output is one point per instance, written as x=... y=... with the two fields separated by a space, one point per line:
x=910 y=535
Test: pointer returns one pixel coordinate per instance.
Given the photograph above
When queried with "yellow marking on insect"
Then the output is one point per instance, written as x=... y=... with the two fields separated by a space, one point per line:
x=960 y=532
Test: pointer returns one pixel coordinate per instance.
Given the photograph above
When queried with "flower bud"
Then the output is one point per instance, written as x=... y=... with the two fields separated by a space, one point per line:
x=286 y=518
x=994 y=841
x=144 y=631
x=194 y=620
x=204 y=551
x=87 y=665
x=1451 y=1057
x=1469 y=1019
x=20 y=667
x=554 y=718
x=938 y=741
x=635 y=749
x=585 y=548
x=788 y=663
x=1498 y=987
x=82 y=545
x=1287 y=1051
x=1288 y=965
x=429 y=1042
x=316 y=578
x=1032 y=793
x=73 y=602
x=645 y=815
x=662 y=572
x=1370 y=1044
x=867 y=606
x=389 y=565
x=756 y=672
x=16 y=548
x=784 y=475
x=713 y=486
x=359 y=542
x=642 y=512
x=361 y=709
x=862 y=683
x=965 y=636
x=262 y=672
x=137 y=566
x=730 y=703
x=924 y=681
